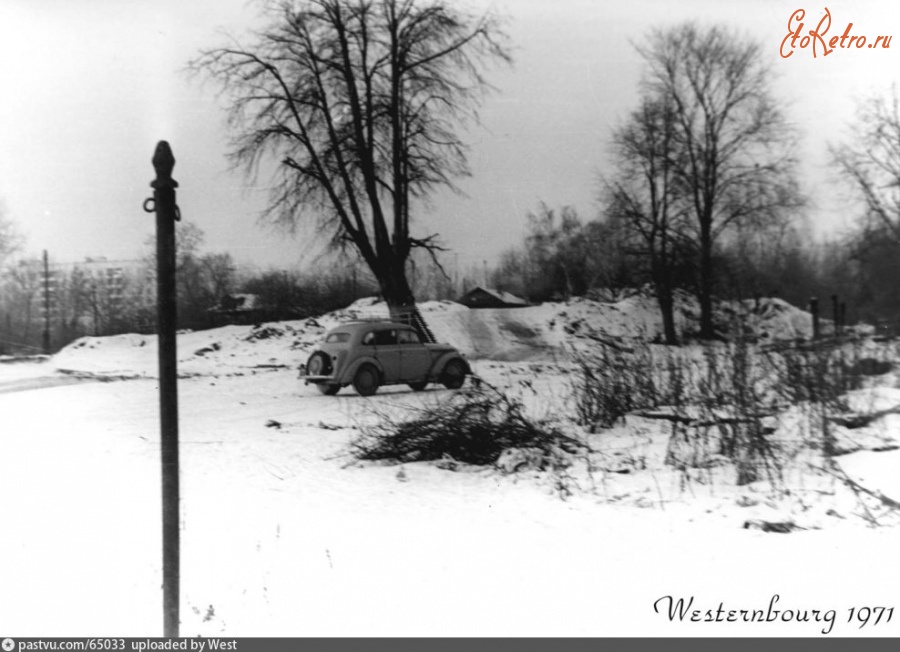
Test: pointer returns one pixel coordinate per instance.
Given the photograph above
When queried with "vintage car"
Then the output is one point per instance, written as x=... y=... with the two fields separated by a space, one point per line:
x=368 y=355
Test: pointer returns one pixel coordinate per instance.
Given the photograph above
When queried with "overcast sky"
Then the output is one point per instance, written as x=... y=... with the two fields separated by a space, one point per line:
x=90 y=86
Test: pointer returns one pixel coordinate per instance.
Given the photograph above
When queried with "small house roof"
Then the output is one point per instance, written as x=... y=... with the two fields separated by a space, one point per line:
x=238 y=303
x=500 y=295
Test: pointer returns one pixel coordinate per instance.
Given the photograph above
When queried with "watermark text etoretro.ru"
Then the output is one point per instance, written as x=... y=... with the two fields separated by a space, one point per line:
x=818 y=38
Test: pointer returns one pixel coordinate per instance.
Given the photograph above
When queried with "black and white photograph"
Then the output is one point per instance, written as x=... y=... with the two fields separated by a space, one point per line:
x=449 y=318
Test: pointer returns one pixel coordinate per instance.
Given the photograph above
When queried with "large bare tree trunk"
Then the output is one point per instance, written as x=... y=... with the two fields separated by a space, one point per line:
x=707 y=331
x=400 y=300
x=666 y=300
x=395 y=290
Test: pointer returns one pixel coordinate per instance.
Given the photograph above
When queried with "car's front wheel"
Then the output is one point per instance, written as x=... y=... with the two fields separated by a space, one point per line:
x=454 y=374
x=366 y=381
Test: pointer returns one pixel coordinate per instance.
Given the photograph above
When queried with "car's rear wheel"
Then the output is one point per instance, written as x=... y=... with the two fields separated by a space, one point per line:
x=454 y=374
x=418 y=387
x=319 y=364
x=328 y=389
x=366 y=381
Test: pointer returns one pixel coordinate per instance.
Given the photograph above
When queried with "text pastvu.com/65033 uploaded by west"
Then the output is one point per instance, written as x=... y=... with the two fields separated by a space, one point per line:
x=120 y=644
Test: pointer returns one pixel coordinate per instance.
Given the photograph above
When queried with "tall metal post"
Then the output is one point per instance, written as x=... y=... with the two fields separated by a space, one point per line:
x=163 y=204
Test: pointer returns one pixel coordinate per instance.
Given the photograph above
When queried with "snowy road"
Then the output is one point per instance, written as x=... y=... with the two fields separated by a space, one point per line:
x=279 y=538
x=42 y=382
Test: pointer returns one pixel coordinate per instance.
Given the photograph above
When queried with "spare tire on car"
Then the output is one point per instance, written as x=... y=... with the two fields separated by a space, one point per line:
x=319 y=364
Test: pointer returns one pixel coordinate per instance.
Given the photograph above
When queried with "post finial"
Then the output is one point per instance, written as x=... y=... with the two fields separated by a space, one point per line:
x=163 y=160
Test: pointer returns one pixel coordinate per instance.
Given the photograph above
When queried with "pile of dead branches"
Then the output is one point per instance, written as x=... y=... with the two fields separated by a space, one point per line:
x=472 y=426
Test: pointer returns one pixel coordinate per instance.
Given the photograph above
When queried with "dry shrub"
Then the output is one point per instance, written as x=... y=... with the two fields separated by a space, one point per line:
x=612 y=381
x=719 y=399
x=473 y=426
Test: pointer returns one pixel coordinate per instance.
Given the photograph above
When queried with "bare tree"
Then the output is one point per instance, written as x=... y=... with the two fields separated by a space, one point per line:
x=10 y=238
x=645 y=198
x=554 y=247
x=560 y=257
x=359 y=102
x=23 y=288
x=736 y=163
x=203 y=279
x=220 y=272
x=871 y=162
x=10 y=243
x=72 y=293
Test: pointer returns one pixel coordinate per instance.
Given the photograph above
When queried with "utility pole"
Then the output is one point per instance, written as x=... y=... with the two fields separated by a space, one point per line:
x=814 y=309
x=167 y=213
x=95 y=307
x=46 y=339
x=836 y=314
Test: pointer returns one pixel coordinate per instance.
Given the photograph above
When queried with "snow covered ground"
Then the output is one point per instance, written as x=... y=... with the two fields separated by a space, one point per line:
x=283 y=535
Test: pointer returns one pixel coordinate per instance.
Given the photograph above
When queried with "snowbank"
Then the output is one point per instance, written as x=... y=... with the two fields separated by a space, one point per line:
x=509 y=334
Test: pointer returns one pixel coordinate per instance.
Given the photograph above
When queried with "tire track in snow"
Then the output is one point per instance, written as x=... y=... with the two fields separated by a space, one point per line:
x=43 y=382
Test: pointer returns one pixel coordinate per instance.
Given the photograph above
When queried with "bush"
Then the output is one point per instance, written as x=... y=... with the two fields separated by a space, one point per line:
x=612 y=381
x=723 y=400
x=474 y=426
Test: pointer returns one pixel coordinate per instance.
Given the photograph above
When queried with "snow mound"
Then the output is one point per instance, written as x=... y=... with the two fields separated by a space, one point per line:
x=769 y=319
x=505 y=334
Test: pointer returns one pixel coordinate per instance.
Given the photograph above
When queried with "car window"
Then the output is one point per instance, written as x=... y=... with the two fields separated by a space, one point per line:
x=384 y=338
x=337 y=338
x=408 y=337
x=368 y=339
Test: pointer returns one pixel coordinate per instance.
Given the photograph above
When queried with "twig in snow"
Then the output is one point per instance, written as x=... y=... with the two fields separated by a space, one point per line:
x=838 y=473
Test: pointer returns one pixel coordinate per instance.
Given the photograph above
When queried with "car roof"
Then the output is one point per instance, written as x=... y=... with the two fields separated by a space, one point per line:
x=355 y=326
